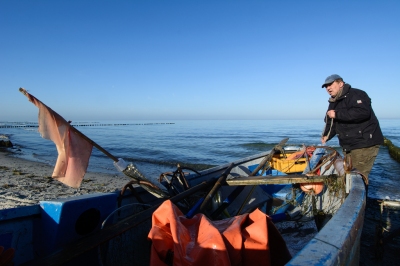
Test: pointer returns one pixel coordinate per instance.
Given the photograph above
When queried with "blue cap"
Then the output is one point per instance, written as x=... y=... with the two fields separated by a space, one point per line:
x=331 y=79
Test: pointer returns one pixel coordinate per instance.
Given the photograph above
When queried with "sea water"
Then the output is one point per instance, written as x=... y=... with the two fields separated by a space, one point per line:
x=158 y=146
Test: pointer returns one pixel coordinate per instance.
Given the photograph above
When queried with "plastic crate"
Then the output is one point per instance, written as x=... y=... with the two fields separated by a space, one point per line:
x=288 y=166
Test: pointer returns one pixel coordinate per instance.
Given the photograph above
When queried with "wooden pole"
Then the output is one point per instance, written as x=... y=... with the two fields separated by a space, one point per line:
x=269 y=156
x=94 y=144
x=279 y=179
x=267 y=159
x=221 y=181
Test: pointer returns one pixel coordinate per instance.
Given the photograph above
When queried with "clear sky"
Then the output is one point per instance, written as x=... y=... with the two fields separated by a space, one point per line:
x=101 y=60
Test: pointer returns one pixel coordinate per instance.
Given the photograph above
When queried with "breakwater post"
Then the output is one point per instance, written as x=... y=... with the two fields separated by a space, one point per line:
x=82 y=124
x=394 y=151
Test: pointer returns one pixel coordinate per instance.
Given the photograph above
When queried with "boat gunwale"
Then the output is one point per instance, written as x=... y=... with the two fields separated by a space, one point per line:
x=17 y=213
x=209 y=173
x=338 y=242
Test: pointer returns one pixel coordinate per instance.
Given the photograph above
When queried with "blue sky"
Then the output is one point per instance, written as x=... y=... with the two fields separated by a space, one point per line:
x=167 y=60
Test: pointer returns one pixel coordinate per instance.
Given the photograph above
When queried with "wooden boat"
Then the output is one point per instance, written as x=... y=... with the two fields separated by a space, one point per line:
x=113 y=228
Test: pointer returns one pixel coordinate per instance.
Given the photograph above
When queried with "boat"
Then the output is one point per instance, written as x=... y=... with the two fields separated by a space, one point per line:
x=318 y=227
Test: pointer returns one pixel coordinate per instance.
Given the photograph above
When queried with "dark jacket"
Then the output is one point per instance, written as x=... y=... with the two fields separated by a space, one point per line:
x=355 y=124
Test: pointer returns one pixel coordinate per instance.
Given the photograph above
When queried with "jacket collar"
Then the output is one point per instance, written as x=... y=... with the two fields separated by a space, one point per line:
x=343 y=93
x=346 y=90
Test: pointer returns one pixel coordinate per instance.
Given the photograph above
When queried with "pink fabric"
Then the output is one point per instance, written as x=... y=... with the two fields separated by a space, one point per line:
x=73 y=150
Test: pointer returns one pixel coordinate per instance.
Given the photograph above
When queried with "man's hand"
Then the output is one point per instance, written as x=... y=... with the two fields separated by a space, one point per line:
x=331 y=113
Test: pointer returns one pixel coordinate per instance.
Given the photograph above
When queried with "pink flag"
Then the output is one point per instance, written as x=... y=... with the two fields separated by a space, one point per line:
x=73 y=150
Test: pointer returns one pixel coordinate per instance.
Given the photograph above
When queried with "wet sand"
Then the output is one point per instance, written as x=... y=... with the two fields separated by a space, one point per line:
x=24 y=182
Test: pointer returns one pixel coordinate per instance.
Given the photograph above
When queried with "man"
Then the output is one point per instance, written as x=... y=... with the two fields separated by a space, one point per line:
x=351 y=118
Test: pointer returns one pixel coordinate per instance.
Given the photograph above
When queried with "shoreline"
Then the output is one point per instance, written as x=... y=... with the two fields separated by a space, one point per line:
x=24 y=182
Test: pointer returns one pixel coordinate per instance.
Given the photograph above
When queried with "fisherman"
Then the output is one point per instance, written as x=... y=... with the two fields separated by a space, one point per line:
x=351 y=118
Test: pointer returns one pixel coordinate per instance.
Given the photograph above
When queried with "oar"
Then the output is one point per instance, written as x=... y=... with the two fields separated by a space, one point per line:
x=217 y=185
x=227 y=202
x=231 y=197
x=268 y=158
x=221 y=181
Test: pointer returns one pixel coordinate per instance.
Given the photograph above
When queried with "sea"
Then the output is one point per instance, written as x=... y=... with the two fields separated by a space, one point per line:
x=156 y=147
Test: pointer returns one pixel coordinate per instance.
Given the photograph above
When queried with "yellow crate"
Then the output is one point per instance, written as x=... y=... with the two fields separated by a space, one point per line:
x=288 y=166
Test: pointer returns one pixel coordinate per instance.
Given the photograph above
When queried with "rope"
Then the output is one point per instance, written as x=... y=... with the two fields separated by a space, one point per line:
x=330 y=128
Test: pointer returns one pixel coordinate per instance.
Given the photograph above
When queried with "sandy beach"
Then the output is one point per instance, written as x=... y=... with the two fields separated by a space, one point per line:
x=24 y=182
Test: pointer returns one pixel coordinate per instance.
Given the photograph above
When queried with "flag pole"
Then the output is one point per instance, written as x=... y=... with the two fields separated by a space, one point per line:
x=22 y=90
x=129 y=170
x=95 y=144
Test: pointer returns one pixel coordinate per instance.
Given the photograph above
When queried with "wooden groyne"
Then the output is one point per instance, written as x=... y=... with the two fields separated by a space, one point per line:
x=90 y=124
x=394 y=151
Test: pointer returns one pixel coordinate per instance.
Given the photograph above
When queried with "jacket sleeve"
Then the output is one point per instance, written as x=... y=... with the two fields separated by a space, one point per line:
x=357 y=109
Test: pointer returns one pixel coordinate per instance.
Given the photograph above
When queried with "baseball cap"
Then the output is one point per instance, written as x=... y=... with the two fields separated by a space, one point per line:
x=331 y=79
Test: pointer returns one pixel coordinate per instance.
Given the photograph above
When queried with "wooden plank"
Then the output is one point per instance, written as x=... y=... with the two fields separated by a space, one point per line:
x=278 y=179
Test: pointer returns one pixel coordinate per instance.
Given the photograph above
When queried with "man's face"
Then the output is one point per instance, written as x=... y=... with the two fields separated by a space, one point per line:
x=334 y=88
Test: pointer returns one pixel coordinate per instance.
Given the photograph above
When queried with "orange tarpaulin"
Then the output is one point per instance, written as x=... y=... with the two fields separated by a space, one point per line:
x=73 y=151
x=248 y=239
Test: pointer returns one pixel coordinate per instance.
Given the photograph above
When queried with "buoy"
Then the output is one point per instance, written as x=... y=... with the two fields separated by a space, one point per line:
x=312 y=188
x=310 y=150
